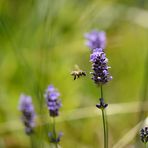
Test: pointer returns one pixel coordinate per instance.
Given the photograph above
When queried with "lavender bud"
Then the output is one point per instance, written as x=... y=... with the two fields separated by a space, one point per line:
x=96 y=39
x=28 y=114
x=102 y=105
x=54 y=139
x=99 y=66
x=144 y=135
x=53 y=101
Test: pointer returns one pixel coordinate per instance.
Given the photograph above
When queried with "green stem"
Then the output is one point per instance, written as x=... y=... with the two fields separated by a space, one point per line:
x=101 y=91
x=104 y=127
x=54 y=132
x=105 y=124
x=32 y=141
x=145 y=144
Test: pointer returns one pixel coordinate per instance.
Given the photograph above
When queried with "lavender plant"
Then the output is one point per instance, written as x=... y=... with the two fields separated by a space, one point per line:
x=28 y=114
x=96 y=41
x=53 y=104
x=144 y=135
x=99 y=66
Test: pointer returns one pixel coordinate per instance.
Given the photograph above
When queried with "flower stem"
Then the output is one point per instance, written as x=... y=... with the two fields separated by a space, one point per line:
x=101 y=91
x=54 y=132
x=145 y=144
x=105 y=125
x=32 y=141
x=105 y=129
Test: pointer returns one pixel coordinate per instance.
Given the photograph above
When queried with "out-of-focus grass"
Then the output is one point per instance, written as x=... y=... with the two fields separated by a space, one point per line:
x=41 y=41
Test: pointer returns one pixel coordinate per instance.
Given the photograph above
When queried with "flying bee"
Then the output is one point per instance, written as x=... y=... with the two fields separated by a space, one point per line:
x=78 y=72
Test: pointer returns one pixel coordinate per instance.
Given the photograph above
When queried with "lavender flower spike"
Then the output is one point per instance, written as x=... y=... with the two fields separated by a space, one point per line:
x=53 y=101
x=144 y=134
x=96 y=39
x=28 y=114
x=99 y=66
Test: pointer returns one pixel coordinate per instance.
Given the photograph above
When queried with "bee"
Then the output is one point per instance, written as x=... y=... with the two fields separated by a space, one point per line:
x=78 y=72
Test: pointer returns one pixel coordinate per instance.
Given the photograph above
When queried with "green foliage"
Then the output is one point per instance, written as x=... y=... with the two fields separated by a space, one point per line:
x=42 y=40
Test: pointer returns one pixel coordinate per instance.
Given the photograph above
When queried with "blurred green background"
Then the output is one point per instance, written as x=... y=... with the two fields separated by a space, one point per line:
x=42 y=40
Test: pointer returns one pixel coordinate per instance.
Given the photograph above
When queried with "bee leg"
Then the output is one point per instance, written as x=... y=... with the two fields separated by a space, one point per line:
x=74 y=77
x=84 y=74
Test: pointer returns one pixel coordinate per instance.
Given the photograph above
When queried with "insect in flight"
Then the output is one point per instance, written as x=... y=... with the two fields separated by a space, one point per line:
x=77 y=72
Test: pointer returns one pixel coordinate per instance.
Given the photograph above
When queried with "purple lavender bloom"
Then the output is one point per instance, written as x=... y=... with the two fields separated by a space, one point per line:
x=99 y=66
x=54 y=139
x=53 y=101
x=102 y=105
x=28 y=114
x=96 y=39
x=144 y=135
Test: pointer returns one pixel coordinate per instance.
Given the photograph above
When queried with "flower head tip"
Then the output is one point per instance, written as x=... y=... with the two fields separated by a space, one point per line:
x=53 y=101
x=28 y=114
